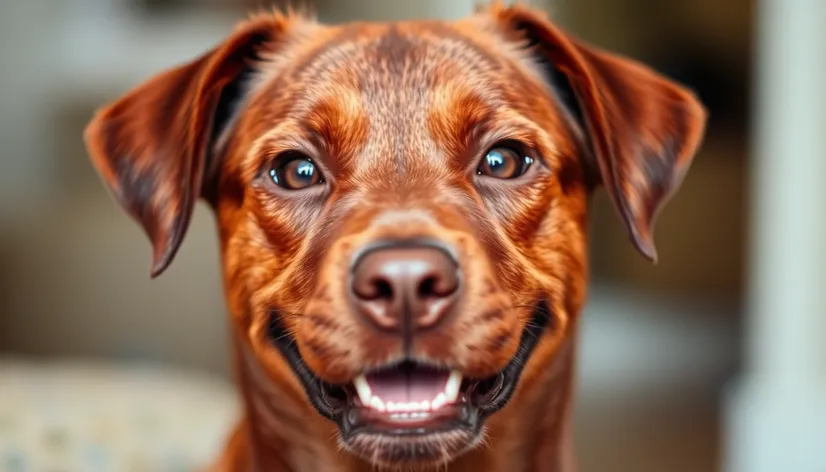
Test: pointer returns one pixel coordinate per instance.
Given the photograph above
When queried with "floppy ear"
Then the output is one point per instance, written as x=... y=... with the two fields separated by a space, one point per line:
x=643 y=129
x=151 y=146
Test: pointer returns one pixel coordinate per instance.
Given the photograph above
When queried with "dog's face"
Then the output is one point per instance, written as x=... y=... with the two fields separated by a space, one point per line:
x=402 y=207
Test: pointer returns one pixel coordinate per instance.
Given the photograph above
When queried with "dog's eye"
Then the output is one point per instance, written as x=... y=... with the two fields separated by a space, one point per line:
x=504 y=162
x=295 y=171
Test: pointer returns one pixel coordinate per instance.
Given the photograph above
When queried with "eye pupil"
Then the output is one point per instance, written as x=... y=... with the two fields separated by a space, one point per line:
x=305 y=169
x=294 y=172
x=495 y=159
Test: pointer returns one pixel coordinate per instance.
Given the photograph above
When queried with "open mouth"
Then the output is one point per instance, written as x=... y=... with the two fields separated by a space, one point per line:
x=411 y=400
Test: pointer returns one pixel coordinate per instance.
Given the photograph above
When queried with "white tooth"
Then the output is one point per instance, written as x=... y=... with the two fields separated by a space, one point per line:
x=363 y=389
x=391 y=406
x=438 y=402
x=452 y=386
x=425 y=405
x=377 y=404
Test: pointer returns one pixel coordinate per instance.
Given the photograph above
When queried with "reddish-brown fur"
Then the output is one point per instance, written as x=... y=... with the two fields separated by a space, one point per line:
x=396 y=114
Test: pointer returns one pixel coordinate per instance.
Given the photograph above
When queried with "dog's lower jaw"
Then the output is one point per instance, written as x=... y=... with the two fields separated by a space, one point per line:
x=278 y=434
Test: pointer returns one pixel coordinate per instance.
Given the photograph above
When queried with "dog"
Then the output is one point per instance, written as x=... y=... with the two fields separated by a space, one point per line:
x=402 y=212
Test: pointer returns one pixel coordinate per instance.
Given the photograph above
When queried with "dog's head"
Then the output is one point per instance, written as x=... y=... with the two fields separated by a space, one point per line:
x=402 y=207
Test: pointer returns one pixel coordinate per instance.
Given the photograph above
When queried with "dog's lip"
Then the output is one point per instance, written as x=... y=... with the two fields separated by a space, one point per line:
x=335 y=402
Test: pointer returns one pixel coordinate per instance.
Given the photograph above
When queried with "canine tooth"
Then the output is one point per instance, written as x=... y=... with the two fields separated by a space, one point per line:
x=453 y=385
x=363 y=389
x=377 y=404
x=438 y=402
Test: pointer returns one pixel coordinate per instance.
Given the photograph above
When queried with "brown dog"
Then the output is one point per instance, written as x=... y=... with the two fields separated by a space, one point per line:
x=402 y=211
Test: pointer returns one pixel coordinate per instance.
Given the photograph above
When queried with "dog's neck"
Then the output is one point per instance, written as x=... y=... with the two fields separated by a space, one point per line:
x=283 y=433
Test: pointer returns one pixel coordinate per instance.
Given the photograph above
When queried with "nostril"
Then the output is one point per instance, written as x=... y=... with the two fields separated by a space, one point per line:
x=376 y=288
x=435 y=286
x=382 y=289
x=427 y=287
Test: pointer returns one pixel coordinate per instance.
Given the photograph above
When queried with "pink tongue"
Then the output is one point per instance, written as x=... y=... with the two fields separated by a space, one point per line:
x=407 y=385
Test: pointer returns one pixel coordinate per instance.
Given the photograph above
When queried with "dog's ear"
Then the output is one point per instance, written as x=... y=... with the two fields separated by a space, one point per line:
x=642 y=129
x=151 y=146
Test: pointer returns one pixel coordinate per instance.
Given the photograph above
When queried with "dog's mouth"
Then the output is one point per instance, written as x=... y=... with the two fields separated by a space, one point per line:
x=414 y=404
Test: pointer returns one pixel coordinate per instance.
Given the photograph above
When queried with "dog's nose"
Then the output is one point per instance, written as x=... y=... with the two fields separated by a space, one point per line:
x=405 y=288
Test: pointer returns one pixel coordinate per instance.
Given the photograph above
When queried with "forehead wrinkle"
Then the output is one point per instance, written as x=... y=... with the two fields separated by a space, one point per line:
x=411 y=69
x=393 y=98
x=457 y=114
x=464 y=122
x=338 y=123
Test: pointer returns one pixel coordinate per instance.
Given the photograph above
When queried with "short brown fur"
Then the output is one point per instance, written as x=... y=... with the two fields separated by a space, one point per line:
x=395 y=115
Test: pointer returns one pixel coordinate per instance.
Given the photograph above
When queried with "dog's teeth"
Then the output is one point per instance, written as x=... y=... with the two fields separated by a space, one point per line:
x=420 y=409
x=363 y=389
x=438 y=402
x=452 y=386
x=377 y=404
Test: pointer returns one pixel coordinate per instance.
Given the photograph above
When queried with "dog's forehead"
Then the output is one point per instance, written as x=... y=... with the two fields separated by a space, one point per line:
x=379 y=56
x=396 y=92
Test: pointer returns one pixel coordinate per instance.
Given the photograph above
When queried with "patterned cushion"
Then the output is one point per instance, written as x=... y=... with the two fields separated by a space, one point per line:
x=88 y=417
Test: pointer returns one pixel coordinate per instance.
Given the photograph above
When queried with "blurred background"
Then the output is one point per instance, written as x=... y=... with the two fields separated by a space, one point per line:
x=711 y=360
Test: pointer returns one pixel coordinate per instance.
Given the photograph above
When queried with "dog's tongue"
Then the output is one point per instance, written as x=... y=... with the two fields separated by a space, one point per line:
x=407 y=384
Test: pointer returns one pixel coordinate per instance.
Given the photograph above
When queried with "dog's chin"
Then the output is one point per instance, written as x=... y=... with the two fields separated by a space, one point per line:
x=412 y=413
x=429 y=448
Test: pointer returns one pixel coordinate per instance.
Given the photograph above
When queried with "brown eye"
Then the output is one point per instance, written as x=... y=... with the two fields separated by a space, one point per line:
x=504 y=162
x=295 y=171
